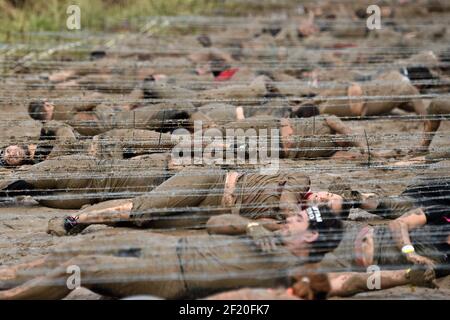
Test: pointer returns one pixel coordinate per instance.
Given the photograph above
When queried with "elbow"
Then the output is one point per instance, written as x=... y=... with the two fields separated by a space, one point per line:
x=212 y=227
x=396 y=225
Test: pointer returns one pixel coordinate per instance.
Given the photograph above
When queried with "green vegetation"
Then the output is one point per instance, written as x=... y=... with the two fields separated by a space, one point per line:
x=19 y=16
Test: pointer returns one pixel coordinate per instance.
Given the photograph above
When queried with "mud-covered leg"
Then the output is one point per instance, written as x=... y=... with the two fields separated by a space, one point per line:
x=48 y=285
x=108 y=212
x=108 y=275
x=11 y=275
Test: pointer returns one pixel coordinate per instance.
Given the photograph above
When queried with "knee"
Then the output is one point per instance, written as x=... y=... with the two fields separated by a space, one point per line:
x=433 y=108
x=438 y=107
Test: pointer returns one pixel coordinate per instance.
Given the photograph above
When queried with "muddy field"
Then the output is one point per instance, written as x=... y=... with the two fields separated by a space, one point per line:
x=23 y=226
x=23 y=223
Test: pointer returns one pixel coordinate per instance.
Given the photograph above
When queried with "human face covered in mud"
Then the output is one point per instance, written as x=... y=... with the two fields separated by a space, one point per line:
x=306 y=232
x=14 y=155
x=333 y=201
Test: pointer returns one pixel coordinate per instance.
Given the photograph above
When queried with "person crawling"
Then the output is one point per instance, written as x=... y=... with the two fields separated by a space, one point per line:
x=60 y=139
x=174 y=267
x=306 y=136
x=76 y=180
x=195 y=266
x=190 y=197
x=101 y=118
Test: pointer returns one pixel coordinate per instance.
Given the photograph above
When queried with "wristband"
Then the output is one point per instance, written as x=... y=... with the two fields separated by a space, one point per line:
x=305 y=280
x=408 y=273
x=407 y=249
x=252 y=224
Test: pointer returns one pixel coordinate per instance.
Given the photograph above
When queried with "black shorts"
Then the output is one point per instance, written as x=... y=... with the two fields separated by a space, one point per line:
x=433 y=195
x=431 y=241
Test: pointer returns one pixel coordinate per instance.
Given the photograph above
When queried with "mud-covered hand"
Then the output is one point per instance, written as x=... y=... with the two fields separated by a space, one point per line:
x=422 y=276
x=262 y=237
x=421 y=260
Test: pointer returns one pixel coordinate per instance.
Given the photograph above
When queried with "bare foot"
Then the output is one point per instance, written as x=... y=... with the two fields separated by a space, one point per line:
x=346 y=155
x=410 y=162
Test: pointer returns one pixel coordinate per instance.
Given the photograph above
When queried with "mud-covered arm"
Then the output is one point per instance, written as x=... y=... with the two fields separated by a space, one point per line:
x=232 y=224
x=308 y=283
x=400 y=228
x=338 y=126
x=349 y=283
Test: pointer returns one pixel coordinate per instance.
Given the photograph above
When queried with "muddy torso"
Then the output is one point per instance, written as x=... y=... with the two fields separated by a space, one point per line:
x=77 y=180
x=311 y=138
x=272 y=108
x=153 y=117
x=221 y=263
x=259 y=195
x=182 y=267
x=257 y=123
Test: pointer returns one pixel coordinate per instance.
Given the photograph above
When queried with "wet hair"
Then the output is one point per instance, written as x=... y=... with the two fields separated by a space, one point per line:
x=307 y=111
x=97 y=54
x=330 y=231
x=36 y=110
x=204 y=40
x=351 y=198
x=26 y=160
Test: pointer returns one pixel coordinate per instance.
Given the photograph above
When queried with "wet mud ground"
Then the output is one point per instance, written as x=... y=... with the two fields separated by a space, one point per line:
x=23 y=224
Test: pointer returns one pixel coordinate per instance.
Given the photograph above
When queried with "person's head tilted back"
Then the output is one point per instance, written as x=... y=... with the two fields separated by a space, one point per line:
x=41 y=110
x=312 y=232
